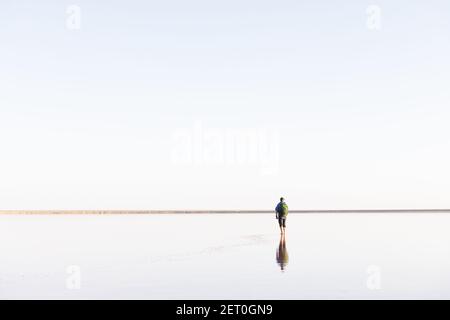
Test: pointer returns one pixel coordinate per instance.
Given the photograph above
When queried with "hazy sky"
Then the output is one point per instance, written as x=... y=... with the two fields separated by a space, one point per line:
x=224 y=104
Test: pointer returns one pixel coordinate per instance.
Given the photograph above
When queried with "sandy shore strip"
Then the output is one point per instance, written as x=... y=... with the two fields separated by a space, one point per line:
x=148 y=212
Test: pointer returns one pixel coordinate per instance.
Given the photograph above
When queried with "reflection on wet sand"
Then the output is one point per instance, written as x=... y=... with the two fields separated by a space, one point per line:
x=282 y=254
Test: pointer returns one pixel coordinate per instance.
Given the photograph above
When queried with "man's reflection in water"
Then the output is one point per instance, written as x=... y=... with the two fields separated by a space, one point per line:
x=282 y=254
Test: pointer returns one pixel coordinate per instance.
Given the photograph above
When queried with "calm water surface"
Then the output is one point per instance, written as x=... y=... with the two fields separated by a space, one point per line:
x=239 y=256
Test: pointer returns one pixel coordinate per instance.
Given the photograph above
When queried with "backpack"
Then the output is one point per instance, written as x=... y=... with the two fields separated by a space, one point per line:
x=283 y=209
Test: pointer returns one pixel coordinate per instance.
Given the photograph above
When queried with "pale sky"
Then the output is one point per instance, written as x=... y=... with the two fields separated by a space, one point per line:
x=224 y=104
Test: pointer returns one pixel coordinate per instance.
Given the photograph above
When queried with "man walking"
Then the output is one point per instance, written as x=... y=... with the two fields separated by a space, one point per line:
x=281 y=212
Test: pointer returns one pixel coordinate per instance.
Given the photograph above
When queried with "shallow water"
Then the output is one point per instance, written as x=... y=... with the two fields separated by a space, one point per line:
x=225 y=256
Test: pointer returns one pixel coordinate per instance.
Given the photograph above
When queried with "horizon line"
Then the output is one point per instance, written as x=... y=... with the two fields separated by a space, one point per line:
x=225 y=211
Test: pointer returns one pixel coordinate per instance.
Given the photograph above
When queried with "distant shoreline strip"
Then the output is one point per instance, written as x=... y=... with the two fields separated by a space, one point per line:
x=149 y=212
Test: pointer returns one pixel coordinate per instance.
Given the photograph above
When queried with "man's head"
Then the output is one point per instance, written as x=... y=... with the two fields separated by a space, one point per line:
x=281 y=199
